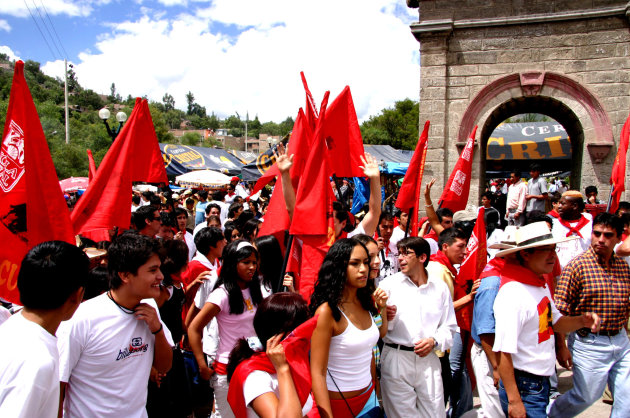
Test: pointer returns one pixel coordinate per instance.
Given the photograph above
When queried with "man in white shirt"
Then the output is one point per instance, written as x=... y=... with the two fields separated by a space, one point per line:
x=571 y=222
x=399 y=231
x=411 y=382
x=526 y=318
x=51 y=282
x=387 y=250
x=181 y=217
x=515 y=205
x=106 y=351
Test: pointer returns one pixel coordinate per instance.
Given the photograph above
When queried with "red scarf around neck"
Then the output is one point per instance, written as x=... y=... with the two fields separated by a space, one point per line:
x=512 y=271
x=582 y=222
x=441 y=258
x=553 y=214
x=493 y=268
x=296 y=349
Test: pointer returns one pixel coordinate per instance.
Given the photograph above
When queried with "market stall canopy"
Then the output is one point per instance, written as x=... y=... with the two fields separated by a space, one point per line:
x=180 y=159
x=391 y=160
x=529 y=141
x=203 y=179
x=73 y=184
x=245 y=157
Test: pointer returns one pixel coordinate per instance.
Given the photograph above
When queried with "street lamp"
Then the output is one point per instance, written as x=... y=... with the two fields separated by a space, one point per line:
x=121 y=117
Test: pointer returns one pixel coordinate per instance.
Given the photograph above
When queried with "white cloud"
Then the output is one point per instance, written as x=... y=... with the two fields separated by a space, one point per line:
x=6 y=50
x=54 y=7
x=4 y=25
x=365 y=44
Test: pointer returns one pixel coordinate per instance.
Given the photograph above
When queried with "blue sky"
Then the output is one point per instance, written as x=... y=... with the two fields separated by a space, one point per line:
x=235 y=56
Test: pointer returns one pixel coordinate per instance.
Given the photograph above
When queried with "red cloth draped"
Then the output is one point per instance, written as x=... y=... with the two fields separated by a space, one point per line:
x=455 y=194
x=574 y=229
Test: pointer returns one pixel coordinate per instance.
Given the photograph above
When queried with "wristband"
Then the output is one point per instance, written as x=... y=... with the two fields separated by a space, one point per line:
x=429 y=206
x=159 y=329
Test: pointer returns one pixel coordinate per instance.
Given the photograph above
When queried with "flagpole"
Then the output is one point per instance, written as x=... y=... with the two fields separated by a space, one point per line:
x=284 y=265
x=65 y=90
x=612 y=189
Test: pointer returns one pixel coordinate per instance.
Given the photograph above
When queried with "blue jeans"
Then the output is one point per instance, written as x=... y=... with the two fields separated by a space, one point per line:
x=534 y=391
x=597 y=360
x=461 y=398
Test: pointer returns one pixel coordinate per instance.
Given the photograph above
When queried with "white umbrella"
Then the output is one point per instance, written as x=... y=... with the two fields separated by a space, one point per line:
x=203 y=178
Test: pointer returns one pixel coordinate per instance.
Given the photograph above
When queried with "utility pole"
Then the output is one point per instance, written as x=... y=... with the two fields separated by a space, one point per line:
x=65 y=90
x=246 y=118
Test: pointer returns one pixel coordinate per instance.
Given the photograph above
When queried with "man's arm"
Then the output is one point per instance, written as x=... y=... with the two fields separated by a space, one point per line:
x=487 y=341
x=571 y=323
x=163 y=354
x=624 y=249
x=370 y=169
x=62 y=397
x=285 y=162
x=428 y=206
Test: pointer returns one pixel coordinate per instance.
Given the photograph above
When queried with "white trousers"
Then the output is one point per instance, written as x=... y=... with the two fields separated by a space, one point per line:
x=220 y=384
x=411 y=386
x=488 y=394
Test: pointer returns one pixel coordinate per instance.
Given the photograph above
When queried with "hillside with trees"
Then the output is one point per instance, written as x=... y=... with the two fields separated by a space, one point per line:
x=397 y=127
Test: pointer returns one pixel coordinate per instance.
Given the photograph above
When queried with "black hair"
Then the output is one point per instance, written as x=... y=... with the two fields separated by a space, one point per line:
x=227 y=231
x=143 y=214
x=516 y=173
x=49 y=274
x=416 y=244
x=609 y=220
x=491 y=218
x=364 y=239
x=625 y=218
x=135 y=199
x=387 y=216
x=148 y=194
x=249 y=229
x=97 y=282
x=280 y=313
x=155 y=201
x=174 y=255
x=86 y=242
x=189 y=200
x=217 y=195
x=448 y=236
x=332 y=278
x=213 y=218
x=341 y=213
x=212 y=206
x=538 y=216
x=203 y=194
x=534 y=167
x=234 y=208
x=555 y=197
x=206 y=238
x=229 y=276
x=243 y=218
x=179 y=211
x=271 y=260
x=488 y=195
x=442 y=212
x=167 y=220
x=128 y=253
x=590 y=189
x=623 y=205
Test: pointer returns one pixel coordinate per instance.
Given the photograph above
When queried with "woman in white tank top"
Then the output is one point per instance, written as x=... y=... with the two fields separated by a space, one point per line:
x=342 y=363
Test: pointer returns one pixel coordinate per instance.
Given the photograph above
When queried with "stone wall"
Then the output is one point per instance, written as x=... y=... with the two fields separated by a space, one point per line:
x=466 y=45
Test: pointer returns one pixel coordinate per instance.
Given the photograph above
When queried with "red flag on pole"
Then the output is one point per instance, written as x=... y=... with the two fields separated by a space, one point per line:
x=91 y=166
x=343 y=137
x=32 y=207
x=312 y=219
x=471 y=268
x=455 y=194
x=618 y=176
x=409 y=194
x=134 y=156
x=311 y=106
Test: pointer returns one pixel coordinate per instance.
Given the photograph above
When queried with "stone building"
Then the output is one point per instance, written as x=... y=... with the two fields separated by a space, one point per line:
x=484 y=61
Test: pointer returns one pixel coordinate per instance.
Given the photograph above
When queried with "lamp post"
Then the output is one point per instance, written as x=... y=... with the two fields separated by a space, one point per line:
x=121 y=117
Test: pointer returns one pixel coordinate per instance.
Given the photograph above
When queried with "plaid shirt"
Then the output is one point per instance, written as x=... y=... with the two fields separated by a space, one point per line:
x=588 y=286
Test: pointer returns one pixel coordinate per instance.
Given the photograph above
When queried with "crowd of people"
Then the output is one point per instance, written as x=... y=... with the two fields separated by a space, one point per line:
x=189 y=313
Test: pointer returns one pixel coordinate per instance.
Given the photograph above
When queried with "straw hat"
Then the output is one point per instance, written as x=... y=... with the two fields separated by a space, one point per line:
x=508 y=241
x=533 y=235
x=469 y=214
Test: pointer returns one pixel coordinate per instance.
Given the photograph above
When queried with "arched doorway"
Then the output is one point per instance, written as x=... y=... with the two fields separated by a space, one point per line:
x=548 y=106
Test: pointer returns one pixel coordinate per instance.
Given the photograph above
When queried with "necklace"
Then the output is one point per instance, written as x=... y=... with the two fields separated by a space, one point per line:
x=122 y=308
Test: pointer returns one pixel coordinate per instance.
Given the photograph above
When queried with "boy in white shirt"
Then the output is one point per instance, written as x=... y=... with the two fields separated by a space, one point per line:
x=51 y=282
x=108 y=348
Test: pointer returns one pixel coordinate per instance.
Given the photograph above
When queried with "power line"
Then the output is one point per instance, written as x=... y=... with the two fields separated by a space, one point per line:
x=40 y=31
x=46 y=27
x=53 y=28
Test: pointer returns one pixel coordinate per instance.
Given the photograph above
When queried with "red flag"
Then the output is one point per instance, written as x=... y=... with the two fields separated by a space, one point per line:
x=32 y=207
x=409 y=194
x=277 y=217
x=312 y=219
x=92 y=166
x=134 y=156
x=311 y=106
x=455 y=194
x=343 y=137
x=471 y=268
x=618 y=176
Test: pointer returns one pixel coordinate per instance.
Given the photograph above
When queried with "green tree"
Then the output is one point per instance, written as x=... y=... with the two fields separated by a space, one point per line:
x=169 y=102
x=190 y=99
x=113 y=97
x=191 y=138
x=397 y=127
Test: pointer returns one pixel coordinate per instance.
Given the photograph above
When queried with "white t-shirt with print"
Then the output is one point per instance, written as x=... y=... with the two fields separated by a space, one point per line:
x=105 y=356
x=29 y=370
x=258 y=383
x=524 y=315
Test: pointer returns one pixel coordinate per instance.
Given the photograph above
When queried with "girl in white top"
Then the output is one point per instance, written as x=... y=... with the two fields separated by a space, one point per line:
x=233 y=302
x=342 y=363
